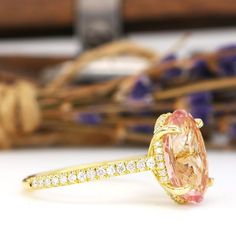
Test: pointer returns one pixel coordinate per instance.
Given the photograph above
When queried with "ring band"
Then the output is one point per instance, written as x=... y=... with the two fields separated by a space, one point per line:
x=94 y=171
x=176 y=156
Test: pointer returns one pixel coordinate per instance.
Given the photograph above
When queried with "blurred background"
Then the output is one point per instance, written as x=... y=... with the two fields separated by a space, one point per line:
x=71 y=70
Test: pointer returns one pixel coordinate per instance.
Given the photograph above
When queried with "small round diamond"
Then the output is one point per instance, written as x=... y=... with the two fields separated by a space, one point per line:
x=120 y=168
x=81 y=176
x=151 y=163
x=40 y=183
x=101 y=172
x=131 y=166
x=161 y=165
x=55 y=180
x=63 y=179
x=159 y=150
x=164 y=179
x=160 y=157
x=111 y=170
x=72 y=178
x=163 y=173
x=158 y=144
x=35 y=183
x=141 y=165
x=91 y=174
x=47 y=182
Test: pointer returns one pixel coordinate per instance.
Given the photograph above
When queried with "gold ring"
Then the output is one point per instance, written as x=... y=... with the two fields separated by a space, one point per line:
x=176 y=156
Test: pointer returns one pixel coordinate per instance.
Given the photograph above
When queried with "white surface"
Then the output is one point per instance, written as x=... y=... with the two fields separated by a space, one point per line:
x=208 y=39
x=41 y=47
x=127 y=205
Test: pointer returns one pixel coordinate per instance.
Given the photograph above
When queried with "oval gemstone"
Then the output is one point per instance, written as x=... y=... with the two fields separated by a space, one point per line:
x=185 y=156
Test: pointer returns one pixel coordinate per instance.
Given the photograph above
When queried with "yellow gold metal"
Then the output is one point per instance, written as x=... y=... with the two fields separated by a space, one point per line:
x=210 y=182
x=177 y=190
x=160 y=122
x=171 y=129
x=199 y=122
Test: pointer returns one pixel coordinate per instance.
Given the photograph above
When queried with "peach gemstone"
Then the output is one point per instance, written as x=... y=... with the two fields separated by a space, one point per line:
x=185 y=156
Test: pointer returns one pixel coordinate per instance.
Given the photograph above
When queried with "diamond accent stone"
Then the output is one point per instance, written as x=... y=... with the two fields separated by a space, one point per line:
x=159 y=150
x=111 y=170
x=160 y=157
x=55 y=180
x=164 y=179
x=63 y=179
x=81 y=176
x=101 y=172
x=141 y=165
x=121 y=168
x=35 y=183
x=91 y=174
x=47 y=182
x=151 y=163
x=160 y=165
x=159 y=144
x=40 y=183
x=131 y=166
x=72 y=177
x=162 y=172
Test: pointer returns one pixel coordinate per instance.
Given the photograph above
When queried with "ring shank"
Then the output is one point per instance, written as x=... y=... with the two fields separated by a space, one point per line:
x=86 y=173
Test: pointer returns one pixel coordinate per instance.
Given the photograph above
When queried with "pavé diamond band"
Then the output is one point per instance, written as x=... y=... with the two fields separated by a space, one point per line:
x=176 y=156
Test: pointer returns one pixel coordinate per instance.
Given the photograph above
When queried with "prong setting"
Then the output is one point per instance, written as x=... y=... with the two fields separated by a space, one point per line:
x=159 y=133
x=177 y=190
x=210 y=182
x=199 y=122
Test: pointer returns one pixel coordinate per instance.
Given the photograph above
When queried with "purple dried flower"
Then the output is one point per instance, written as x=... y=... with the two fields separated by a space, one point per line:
x=232 y=130
x=228 y=47
x=88 y=118
x=200 y=69
x=227 y=65
x=201 y=106
x=172 y=73
x=200 y=98
x=169 y=57
x=142 y=88
x=202 y=111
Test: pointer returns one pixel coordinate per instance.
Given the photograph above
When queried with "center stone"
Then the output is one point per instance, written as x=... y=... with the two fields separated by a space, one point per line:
x=185 y=156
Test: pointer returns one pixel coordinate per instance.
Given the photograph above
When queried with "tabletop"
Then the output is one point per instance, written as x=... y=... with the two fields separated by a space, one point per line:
x=133 y=204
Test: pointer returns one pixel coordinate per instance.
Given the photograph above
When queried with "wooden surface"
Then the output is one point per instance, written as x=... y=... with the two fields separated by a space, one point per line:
x=60 y=14
x=157 y=9
x=35 y=13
